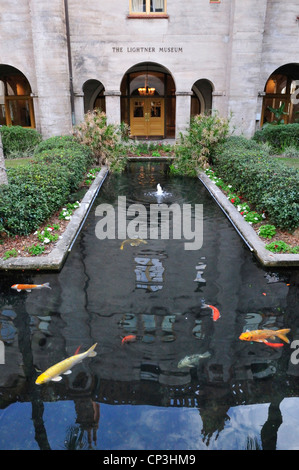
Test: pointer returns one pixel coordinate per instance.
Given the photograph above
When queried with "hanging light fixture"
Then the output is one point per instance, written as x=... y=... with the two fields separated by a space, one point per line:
x=146 y=90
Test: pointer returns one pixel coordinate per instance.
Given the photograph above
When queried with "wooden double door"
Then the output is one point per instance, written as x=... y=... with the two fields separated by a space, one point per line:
x=147 y=116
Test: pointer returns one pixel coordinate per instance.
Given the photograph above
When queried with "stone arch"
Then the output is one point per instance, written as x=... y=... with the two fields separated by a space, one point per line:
x=281 y=93
x=148 y=100
x=201 y=98
x=94 y=95
x=16 y=98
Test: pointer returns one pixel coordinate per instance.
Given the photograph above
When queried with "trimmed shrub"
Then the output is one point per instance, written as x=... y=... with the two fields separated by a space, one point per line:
x=74 y=158
x=55 y=142
x=268 y=184
x=18 y=141
x=37 y=190
x=280 y=136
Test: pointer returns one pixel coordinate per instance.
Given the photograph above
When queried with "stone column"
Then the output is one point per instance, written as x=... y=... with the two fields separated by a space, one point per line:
x=244 y=62
x=3 y=175
x=219 y=103
x=112 y=98
x=183 y=112
x=79 y=107
x=51 y=64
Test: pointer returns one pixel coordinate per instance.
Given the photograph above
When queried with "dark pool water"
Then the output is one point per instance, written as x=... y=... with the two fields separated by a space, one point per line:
x=133 y=396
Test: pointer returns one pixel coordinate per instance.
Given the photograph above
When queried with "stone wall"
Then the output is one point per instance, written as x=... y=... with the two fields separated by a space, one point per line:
x=235 y=44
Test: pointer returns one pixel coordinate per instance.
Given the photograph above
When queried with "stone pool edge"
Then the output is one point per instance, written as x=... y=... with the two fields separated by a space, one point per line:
x=250 y=237
x=54 y=261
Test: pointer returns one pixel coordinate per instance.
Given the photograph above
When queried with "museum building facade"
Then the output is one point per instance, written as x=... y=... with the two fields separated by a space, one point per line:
x=150 y=63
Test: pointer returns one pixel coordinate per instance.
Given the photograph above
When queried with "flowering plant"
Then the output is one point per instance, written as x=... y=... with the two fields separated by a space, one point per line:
x=281 y=246
x=253 y=217
x=67 y=211
x=47 y=235
x=91 y=175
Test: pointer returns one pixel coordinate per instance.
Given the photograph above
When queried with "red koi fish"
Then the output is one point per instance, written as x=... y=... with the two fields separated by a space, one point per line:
x=128 y=339
x=77 y=350
x=29 y=287
x=216 y=313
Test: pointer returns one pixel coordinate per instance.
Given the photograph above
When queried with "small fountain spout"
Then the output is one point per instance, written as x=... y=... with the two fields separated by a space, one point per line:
x=159 y=190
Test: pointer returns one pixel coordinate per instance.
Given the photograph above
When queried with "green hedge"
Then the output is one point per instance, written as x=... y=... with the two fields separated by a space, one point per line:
x=279 y=136
x=73 y=157
x=18 y=141
x=265 y=182
x=35 y=191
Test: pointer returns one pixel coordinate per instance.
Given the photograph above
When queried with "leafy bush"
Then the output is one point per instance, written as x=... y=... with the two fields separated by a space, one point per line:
x=194 y=150
x=19 y=141
x=104 y=140
x=280 y=136
x=265 y=182
x=74 y=158
x=55 y=142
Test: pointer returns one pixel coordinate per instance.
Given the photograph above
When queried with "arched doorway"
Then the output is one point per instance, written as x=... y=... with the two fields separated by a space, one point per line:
x=16 y=102
x=94 y=96
x=201 y=98
x=148 y=101
x=281 y=100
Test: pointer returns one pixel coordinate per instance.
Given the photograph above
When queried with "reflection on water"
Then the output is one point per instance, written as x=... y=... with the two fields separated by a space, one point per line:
x=133 y=395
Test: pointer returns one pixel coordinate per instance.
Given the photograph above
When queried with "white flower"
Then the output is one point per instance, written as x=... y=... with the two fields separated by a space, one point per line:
x=49 y=229
x=46 y=240
x=263 y=216
x=67 y=217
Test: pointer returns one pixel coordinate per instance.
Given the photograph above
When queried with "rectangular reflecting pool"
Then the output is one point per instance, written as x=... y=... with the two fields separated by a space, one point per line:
x=170 y=372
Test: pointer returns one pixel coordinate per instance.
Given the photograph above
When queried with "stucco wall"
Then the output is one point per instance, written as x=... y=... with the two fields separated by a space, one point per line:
x=235 y=45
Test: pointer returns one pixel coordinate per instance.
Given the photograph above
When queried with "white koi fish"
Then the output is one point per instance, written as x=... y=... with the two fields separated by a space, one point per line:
x=192 y=361
x=64 y=367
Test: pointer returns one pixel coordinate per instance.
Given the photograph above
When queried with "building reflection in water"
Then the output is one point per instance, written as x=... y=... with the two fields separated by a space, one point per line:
x=154 y=294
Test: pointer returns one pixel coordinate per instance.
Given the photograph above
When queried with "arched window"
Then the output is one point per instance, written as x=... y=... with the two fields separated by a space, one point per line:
x=16 y=102
x=94 y=96
x=281 y=100
x=201 y=99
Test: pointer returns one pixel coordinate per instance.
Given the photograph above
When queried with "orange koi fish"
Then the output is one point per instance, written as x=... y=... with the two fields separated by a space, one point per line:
x=128 y=338
x=216 y=313
x=29 y=287
x=262 y=336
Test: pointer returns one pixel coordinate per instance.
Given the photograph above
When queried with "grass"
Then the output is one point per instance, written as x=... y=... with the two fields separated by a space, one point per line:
x=15 y=162
x=291 y=162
